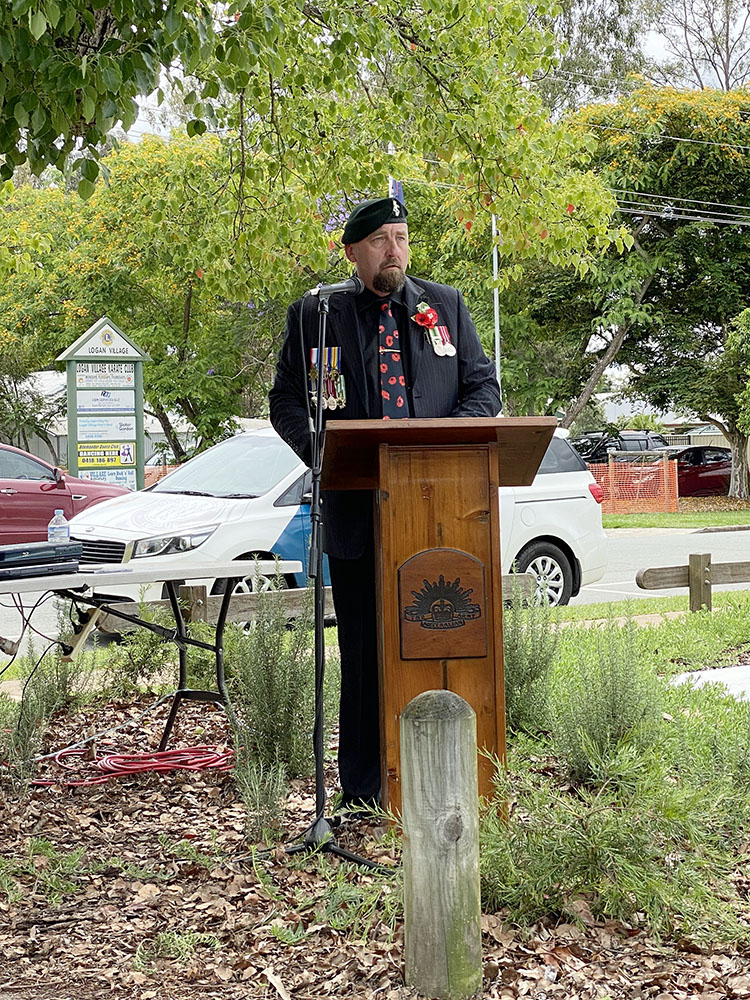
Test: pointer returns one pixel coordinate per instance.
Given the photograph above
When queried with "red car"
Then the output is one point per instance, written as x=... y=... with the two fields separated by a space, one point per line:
x=703 y=471
x=31 y=491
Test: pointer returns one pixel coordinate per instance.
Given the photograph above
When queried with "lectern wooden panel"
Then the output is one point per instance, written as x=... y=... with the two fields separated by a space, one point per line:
x=437 y=524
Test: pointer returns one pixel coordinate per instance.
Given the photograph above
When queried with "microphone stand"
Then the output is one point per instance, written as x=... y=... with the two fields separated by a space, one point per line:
x=319 y=836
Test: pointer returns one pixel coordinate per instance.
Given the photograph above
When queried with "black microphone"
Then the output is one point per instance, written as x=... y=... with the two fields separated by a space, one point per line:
x=354 y=285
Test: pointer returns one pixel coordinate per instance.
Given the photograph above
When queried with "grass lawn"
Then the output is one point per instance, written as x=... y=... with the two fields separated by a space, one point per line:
x=683 y=519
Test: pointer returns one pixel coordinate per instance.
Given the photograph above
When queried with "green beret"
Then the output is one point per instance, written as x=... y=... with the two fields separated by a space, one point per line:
x=371 y=215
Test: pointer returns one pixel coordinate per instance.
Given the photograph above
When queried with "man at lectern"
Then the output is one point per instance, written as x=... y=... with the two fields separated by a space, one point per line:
x=397 y=347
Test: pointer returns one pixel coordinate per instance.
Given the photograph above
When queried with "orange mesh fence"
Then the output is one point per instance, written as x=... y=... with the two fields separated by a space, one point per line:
x=153 y=473
x=637 y=486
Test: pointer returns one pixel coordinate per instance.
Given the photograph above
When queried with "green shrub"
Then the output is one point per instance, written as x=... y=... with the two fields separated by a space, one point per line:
x=263 y=787
x=271 y=681
x=271 y=678
x=603 y=694
x=529 y=645
x=142 y=657
x=50 y=683
x=636 y=849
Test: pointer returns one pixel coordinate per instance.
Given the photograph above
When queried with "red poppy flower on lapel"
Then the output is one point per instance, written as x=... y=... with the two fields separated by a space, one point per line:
x=425 y=316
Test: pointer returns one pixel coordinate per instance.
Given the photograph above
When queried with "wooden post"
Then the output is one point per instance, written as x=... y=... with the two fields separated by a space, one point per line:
x=195 y=600
x=440 y=810
x=699 y=580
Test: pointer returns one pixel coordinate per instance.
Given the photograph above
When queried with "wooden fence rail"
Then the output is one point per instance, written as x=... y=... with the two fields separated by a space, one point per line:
x=700 y=575
x=198 y=605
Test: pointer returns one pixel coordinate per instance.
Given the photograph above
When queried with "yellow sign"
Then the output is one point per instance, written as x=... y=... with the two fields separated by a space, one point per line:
x=105 y=455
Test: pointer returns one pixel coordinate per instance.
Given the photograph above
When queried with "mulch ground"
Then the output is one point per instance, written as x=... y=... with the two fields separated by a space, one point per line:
x=146 y=846
x=688 y=505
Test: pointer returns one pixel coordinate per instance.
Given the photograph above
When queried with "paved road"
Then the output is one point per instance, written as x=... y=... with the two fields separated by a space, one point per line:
x=631 y=549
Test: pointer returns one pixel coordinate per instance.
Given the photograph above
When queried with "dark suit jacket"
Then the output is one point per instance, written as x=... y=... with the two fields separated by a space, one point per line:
x=461 y=386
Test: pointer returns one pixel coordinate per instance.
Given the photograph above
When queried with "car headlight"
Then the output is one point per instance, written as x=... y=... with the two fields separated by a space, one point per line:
x=164 y=545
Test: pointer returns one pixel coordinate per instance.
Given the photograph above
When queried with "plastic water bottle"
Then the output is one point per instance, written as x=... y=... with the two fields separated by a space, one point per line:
x=58 y=530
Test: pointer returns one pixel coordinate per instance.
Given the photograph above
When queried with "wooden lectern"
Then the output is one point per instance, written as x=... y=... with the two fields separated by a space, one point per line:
x=437 y=544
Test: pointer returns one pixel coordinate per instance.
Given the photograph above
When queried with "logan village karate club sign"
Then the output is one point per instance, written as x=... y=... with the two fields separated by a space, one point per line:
x=105 y=406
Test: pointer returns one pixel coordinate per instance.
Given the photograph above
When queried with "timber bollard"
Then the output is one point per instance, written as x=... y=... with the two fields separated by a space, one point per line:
x=440 y=812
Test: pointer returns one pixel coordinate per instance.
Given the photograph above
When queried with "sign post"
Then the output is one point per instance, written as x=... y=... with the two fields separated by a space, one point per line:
x=105 y=406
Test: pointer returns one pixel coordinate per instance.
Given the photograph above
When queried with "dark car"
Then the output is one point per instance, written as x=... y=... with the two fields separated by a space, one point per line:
x=703 y=471
x=31 y=490
x=596 y=447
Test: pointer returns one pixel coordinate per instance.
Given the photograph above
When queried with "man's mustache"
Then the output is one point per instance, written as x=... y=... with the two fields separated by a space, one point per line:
x=390 y=262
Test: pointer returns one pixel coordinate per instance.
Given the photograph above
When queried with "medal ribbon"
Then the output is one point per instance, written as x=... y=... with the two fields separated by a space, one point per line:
x=333 y=381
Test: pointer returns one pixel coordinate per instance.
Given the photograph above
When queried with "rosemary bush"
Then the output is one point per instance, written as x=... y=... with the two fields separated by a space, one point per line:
x=638 y=850
x=271 y=678
x=529 y=646
x=604 y=694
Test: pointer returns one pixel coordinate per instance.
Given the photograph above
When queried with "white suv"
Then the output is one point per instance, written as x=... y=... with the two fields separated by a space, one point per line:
x=250 y=495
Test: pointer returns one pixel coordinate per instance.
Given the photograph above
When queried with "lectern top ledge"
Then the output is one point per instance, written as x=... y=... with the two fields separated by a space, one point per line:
x=350 y=459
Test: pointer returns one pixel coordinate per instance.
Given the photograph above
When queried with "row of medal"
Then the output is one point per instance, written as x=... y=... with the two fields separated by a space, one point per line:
x=334 y=393
x=441 y=341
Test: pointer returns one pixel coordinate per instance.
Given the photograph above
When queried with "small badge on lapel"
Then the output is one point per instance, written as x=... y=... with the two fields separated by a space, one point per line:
x=438 y=336
x=334 y=392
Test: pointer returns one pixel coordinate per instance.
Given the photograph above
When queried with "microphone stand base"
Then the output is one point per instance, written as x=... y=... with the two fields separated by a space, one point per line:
x=319 y=837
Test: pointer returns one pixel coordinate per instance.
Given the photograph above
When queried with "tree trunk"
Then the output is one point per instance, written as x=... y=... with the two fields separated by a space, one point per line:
x=577 y=405
x=738 y=486
x=170 y=434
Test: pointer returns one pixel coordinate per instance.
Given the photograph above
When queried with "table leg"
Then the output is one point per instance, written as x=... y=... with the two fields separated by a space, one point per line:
x=180 y=632
x=181 y=639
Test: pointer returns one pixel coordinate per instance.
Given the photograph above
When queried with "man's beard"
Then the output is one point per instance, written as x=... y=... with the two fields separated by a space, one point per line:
x=391 y=279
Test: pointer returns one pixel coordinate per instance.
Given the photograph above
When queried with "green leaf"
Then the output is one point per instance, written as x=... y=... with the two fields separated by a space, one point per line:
x=90 y=169
x=173 y=21
x=196 y=127
x=88 y=106
x=53 y=12
x=21 y=115
x=37 y=24
x=111 y=75
x=38 y=118
x=86 y=188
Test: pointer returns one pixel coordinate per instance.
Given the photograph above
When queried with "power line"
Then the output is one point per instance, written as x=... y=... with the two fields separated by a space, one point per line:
x=664 y=135
x=682 y=218
x=668 y=197
x=732 y=217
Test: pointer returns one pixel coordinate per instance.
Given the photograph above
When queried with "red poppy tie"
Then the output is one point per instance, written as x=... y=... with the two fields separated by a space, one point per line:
x=392 y=381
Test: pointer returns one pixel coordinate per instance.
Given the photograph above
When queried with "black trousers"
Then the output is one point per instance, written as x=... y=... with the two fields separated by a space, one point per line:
x=353 y=586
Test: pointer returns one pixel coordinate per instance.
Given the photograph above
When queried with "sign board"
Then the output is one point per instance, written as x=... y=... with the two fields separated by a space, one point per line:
x=119 y=477
x=105 y=406
x=105 y=375
x=105 y=401
x=106 y=428
x=108 y=454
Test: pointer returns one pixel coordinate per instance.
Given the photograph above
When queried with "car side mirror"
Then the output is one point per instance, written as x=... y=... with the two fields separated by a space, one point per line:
x=59 y=476
x=306 y=498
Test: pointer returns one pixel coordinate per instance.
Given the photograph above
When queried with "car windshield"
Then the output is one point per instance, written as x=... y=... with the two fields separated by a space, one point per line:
x=246 y=465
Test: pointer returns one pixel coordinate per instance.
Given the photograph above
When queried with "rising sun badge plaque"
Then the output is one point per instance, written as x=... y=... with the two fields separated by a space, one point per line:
x=442 y=606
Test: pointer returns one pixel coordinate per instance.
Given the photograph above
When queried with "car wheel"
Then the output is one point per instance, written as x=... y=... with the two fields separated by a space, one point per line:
x=552 y=569
x=260 y=584
x=253 y=585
